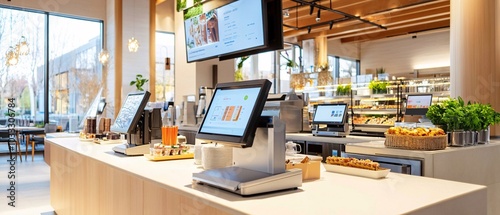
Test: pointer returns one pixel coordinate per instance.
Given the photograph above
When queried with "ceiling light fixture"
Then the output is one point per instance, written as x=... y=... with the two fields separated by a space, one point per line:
x=286 y=13
x=331 y=25
x=311 y=10
x=133 y=45
x=104 y=57
x=318 y=17
x=309 y=29
x=22 y=47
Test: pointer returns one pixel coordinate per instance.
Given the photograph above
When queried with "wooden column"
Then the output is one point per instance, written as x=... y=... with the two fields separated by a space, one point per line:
x=321 y=50
x=472 y=53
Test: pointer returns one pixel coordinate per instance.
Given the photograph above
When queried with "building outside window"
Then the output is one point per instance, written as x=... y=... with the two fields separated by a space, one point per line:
x=74 y=72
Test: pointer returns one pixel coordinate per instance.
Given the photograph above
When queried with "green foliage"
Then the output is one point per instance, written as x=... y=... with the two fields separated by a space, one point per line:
x=378 y=87
x=139 y=82
x=193 y=11
x=238 y=74
x=454 y=114
x=435 y=114
x=343 y=89
x=181 y=4
x=289 y=62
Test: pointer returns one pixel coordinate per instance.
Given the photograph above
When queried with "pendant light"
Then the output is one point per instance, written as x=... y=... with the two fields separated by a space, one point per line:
x=104 y=57
x=22 y=47
x=12 y=57
x=133 y=44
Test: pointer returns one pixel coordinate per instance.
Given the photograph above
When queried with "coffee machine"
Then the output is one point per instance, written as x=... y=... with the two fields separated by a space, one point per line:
x=205 y=96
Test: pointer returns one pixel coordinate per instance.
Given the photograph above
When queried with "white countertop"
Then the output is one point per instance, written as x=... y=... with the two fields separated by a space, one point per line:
x=331 y=194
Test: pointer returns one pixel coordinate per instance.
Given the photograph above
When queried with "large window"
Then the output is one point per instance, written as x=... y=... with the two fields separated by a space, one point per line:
x=67 y=53
x=74 y=71
x=260 y=66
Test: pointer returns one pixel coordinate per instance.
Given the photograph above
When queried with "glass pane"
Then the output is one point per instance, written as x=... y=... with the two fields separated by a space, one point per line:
x=259 y=66
x=23 y=81
x=347 y=68
x=164 y=73
x=75 y=74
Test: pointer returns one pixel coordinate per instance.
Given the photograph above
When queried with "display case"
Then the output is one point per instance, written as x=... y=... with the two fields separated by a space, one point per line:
x=372 y=113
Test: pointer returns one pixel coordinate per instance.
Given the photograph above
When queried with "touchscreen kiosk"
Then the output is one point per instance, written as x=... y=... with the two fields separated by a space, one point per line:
x=330 y=120
x=234 y=112
x=418 y=104
x=234 y=119
x=128 y=119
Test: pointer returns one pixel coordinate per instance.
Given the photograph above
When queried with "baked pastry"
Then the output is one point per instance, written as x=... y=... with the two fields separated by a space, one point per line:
x=353 y=162
x=422 y=132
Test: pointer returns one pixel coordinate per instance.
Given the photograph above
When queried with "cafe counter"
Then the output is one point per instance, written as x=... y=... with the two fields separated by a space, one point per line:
x=88 y=178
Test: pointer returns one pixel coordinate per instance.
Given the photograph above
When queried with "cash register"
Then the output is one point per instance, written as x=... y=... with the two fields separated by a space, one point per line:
x=330 y=120
x=142 y=126
x=234 y=119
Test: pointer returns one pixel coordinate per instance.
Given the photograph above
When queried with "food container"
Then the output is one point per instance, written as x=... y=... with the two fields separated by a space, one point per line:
x=310 y=170
x=416 y=142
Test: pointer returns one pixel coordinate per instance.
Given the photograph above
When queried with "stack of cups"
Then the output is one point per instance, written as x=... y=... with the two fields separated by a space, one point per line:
x=216 y=156
x=169 y=135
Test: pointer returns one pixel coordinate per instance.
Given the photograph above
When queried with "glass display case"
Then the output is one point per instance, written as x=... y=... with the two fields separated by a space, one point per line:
x=374 y=107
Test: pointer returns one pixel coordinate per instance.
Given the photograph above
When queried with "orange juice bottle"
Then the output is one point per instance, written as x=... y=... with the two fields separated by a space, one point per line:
x=164 y=135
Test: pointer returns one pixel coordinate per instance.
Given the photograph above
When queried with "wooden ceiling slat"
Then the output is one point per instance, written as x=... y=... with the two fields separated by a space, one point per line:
x=408 y=13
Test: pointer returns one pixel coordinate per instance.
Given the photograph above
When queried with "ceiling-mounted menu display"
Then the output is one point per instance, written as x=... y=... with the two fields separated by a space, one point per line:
x=225 y=30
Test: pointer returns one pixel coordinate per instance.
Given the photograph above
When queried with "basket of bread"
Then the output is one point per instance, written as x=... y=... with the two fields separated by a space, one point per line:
x=416 y=138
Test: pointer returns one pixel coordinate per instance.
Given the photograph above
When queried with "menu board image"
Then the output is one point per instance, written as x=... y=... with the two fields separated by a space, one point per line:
x=224 y=117
x=235 y=26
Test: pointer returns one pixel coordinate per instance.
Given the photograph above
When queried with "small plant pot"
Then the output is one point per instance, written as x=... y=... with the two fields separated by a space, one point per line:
x=470 y=138
x=483 y=136
x=458 y=138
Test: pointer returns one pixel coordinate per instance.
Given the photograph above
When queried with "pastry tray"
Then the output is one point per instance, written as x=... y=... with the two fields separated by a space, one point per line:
x=169 y=157
x=381 y=173
x=103 y=142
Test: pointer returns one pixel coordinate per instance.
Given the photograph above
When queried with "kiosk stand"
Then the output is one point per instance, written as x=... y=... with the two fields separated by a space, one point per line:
x=257 y=169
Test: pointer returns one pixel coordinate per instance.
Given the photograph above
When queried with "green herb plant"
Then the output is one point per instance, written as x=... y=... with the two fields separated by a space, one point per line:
x=378 y=87
x=289 y=62
x=238 y=74
x=343 y=90
x=139 y=82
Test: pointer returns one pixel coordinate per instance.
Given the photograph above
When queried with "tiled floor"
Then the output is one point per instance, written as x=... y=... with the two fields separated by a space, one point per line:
x=32 y=192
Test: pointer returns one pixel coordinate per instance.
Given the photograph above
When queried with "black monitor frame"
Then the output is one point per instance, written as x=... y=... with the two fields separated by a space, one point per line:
x=344 y=117
x=135 y=112
x=416 y=111
x=245 y=140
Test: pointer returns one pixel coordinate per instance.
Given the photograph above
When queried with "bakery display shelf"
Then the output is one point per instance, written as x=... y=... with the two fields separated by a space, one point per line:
x=375 y=111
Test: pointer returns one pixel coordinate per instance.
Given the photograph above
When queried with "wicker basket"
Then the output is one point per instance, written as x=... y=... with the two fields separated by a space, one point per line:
x=416 y=142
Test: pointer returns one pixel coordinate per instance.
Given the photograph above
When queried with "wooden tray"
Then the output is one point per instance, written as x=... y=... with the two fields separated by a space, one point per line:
x=381 y=173
x=104 y=142
x=170 y=157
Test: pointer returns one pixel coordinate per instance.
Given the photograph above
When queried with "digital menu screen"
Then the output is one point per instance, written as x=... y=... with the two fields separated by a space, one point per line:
x=224 y=30
x=330 y=114
x=230 y=111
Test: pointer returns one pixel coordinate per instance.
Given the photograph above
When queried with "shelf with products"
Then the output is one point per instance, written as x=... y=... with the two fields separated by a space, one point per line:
x=377 y=112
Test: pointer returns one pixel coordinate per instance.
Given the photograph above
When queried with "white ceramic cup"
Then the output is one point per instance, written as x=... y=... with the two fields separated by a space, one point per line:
x=292 y=148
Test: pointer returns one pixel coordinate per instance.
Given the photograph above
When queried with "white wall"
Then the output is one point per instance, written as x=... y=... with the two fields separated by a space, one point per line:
x=165 y=16
x=401 y=55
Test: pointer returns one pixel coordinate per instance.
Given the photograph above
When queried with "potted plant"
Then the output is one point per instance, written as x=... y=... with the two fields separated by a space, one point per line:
x=238 y=74
x=435 y=115
x=378 y=87
x=454 y=118
x=487 y=116
x=343 y=90
x=290 y=64
x=472 y=124
x=139 y=82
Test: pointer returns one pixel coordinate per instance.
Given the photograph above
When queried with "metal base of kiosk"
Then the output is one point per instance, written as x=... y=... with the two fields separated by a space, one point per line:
x=249 y=182
x=257 y=169
x=130 y=149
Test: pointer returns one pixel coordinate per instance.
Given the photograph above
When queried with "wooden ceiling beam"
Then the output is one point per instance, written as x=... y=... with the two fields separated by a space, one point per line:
x=397 y=31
